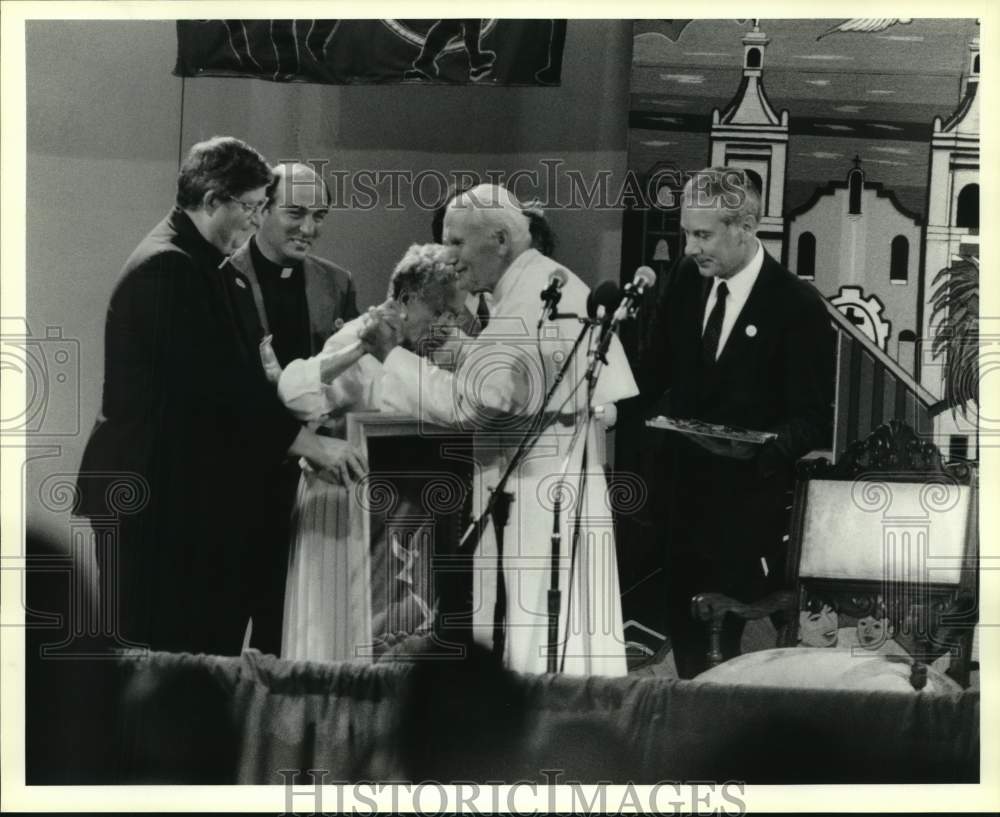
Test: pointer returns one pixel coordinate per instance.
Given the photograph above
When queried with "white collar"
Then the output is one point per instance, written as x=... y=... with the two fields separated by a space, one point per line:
x=740 y=283
x=508 y=281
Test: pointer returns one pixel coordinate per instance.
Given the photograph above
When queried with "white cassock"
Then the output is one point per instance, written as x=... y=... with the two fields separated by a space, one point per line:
x=326 y=617
x=498 y=379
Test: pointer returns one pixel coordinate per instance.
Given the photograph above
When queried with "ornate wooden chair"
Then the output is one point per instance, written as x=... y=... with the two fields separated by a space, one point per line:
x=888 y=536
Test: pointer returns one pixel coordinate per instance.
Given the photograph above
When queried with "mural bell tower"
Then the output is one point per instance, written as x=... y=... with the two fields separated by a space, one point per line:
x=749 y=134
x=952 y=232
x=952 y=202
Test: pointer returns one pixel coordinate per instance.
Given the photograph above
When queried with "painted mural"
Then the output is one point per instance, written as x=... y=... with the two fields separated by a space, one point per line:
x=862 y=134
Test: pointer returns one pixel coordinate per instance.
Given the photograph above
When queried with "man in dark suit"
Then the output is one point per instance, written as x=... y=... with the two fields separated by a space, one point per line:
x=292 y=303
x=189 y=419
x=738 y=341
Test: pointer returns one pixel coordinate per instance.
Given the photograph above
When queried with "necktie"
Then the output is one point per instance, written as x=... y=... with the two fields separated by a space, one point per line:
x=483 y=312
x=713 y=329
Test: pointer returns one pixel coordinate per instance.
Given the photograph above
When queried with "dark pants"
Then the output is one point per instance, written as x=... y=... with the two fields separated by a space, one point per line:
x=171 y=586
x=269 y=542
x=724 y=515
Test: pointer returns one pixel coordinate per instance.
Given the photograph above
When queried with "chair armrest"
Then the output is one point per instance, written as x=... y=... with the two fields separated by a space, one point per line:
x=712 y=608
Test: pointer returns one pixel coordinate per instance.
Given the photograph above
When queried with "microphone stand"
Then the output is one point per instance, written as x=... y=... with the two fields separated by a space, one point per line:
x=598 y=357
x=555 y=594
x=498 y=508
x=581 y=486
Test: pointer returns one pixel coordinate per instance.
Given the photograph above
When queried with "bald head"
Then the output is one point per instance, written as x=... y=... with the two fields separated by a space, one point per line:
x=298 y=202
x=294 y=180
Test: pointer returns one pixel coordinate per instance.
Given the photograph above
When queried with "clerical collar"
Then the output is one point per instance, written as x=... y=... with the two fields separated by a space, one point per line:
x=265 y=266
x=182 y=223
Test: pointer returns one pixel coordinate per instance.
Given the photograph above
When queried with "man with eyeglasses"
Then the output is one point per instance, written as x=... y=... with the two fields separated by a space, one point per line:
x=295 y=301
x=189 y=427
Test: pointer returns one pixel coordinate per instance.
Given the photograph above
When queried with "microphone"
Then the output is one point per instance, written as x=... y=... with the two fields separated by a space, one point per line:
x=607 y=294
x=644 y=279
x=551 y=294
x=601 y=304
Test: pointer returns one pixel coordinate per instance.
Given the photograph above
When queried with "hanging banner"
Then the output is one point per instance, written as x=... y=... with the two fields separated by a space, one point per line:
x=349 y=52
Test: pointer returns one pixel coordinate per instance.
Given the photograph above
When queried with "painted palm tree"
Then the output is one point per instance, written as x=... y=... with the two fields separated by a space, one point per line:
x=955 y=300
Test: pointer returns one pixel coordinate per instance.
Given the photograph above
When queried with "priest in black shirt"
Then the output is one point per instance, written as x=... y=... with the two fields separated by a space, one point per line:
x=291 y=303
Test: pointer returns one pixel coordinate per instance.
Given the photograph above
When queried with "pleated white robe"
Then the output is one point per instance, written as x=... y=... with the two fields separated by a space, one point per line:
x=324 y=620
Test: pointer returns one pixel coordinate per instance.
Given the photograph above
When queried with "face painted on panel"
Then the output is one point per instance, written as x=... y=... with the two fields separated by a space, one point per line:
x=818 y=629
x=872 y=631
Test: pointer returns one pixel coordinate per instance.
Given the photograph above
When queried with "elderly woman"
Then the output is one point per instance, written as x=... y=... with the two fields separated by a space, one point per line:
x=324 y=619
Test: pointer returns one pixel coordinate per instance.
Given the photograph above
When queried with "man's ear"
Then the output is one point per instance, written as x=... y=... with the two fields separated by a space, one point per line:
x=211 y=201
x=502 y=240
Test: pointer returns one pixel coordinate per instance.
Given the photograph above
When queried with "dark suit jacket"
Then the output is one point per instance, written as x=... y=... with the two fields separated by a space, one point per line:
x=330 y=296
x=187 y=410
x=775 y=373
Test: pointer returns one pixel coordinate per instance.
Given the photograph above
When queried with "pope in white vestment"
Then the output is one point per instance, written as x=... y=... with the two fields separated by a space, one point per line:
x=499 y=379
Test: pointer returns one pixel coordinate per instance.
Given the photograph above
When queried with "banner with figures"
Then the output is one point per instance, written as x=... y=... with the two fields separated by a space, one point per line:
x=350 y=52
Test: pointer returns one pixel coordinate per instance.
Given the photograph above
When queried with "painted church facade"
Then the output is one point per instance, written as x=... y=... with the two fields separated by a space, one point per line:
x=871 y=256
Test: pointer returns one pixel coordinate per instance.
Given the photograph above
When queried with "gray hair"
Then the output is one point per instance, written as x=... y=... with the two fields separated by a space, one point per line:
x=426 y=272
x=729 y=189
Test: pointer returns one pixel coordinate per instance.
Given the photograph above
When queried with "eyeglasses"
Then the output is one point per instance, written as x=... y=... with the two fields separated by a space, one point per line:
x=250 y=208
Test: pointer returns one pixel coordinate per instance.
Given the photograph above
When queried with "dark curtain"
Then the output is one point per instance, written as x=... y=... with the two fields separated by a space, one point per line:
x=197 y=719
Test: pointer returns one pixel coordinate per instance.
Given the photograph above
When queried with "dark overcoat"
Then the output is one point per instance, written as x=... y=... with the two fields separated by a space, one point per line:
x=189 y=419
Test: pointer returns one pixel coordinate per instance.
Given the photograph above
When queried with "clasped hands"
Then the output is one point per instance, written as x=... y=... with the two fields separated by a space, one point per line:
x=382 y=329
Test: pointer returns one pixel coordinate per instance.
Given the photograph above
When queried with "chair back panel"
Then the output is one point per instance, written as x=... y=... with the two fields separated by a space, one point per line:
x=882 y=558
x=884 y=530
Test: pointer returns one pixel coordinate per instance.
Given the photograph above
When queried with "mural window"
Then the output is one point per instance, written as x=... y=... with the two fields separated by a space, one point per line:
x=753 y=58
x=958 y=447
x=856 y=184
x=805 y=260
x=967 y=214
x=758 y=183
x=975 y=64
x=899 y=262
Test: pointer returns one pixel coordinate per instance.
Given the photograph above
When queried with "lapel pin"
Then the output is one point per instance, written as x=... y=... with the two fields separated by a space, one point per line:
x=240 y=283
x=286 y=272
x=751 y=330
